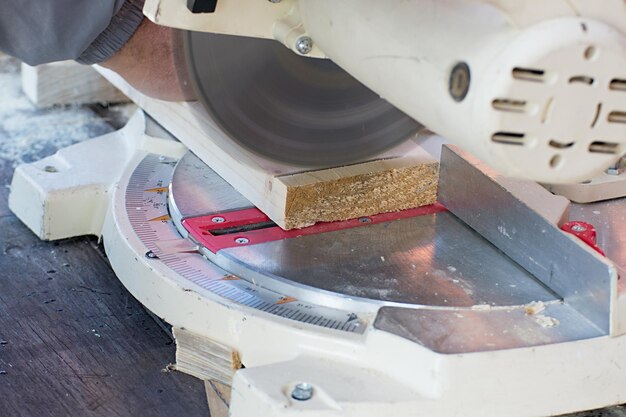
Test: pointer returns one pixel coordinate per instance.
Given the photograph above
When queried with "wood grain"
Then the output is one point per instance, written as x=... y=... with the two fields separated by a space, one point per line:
x=74 y=342
x=401 y=178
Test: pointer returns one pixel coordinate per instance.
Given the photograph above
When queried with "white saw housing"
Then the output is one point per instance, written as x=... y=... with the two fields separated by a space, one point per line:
x=536 y=89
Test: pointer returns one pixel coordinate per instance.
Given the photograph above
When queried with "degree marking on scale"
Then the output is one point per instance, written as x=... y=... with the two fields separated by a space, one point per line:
x=286 y=300
x=231 y=278
x=163 y=218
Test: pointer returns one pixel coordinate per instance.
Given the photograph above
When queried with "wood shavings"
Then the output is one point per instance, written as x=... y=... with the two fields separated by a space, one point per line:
x=534 y=308
x=546 y=321
x=535 y=311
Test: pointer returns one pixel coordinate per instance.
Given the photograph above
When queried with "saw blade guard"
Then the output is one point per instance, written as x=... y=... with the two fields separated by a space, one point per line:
x=536 y=89
x=289 y=108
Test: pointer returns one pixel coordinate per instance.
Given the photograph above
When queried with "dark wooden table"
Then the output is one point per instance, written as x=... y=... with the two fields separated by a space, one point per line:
x=73 y=341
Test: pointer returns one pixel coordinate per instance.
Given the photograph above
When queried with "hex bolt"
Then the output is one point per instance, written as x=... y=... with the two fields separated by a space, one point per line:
x=304 y=45
x=242 y=240
x=218 y=219
x=302 y=391
x=578 y=228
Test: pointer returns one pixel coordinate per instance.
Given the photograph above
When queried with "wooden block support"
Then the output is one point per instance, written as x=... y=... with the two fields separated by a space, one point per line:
x=211 y=362
x=402 y=178
x=203 y=358
x=67 y=82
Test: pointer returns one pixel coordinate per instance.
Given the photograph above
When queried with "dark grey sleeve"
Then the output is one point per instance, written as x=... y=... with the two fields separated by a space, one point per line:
x=89 y=31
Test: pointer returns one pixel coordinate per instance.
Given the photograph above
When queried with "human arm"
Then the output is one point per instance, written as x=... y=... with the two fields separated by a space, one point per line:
x=113 y=33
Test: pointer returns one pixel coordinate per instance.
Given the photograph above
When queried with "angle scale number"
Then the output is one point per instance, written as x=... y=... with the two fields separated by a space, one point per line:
x=147 y=210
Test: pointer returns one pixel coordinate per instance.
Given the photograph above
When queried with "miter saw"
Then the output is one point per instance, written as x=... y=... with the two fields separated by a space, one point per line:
x=502 y=299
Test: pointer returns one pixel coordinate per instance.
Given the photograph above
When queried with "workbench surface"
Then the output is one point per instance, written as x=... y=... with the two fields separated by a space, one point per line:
x=73 y=341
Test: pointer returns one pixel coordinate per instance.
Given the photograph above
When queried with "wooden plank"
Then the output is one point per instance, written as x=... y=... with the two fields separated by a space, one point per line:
x=402 y=178
x=67 y=82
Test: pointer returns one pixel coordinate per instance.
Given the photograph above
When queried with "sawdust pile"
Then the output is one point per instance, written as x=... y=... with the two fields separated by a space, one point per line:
x=28 y=133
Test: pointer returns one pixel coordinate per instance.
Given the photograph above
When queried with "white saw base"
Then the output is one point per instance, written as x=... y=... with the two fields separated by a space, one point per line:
x=603 y=187
x=370 y=374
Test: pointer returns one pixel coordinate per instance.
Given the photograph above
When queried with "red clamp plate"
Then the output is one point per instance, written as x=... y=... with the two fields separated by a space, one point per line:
x=251 y=226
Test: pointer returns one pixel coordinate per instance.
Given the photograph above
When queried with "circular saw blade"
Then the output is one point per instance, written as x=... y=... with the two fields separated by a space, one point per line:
x=289 y=108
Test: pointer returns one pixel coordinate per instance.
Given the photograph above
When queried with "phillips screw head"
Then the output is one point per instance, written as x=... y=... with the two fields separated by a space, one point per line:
x=304 y=45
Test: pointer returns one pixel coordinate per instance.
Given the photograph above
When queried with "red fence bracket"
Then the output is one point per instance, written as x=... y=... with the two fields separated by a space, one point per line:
x=585 y=232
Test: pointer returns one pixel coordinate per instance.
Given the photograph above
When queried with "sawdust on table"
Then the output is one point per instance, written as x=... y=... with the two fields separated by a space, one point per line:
x=28 y=133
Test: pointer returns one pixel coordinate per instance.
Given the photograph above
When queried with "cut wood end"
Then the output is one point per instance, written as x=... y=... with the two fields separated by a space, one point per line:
x=361 y=195
x=236 y=361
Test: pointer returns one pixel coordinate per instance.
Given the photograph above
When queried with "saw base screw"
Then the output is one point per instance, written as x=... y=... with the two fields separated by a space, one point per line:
x=304 y=45
x=302 y=391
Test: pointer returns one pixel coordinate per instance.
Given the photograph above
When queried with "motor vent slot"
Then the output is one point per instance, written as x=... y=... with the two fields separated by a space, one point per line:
x=618 y=84
x=556 y=161
x=582 y=79
x=509 y=138
x=529 y=74
x=610 y=148
x=561 y=145
x=597 y=115
x=508 y=105
x=617 y=117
